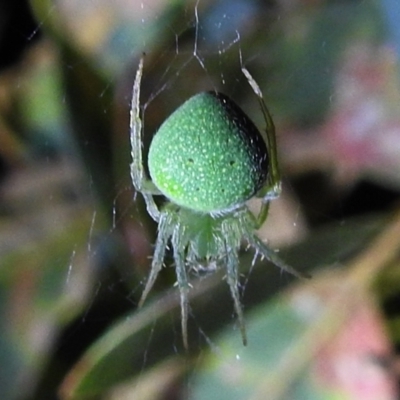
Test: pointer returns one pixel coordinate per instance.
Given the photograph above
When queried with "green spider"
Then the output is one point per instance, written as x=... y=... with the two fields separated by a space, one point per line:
x=207 y=159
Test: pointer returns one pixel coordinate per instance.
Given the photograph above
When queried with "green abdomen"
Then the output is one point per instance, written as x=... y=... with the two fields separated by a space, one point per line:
x=208 y=156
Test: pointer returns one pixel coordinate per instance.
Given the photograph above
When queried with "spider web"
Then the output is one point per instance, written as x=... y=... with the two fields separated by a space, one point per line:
x=196 y=56
x=203 y=50
x=210 y=49
x=199 y=49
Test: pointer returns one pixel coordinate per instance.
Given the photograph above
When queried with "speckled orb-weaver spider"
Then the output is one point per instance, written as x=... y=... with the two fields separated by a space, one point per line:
x=207 y=159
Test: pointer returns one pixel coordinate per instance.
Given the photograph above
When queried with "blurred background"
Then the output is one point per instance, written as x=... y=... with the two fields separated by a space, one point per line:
x=76 y=241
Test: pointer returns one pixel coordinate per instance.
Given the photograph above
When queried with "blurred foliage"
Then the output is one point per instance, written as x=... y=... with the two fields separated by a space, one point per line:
x=75 y=240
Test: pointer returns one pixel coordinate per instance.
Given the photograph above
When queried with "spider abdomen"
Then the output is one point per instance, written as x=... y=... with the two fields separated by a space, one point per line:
x=208 y=156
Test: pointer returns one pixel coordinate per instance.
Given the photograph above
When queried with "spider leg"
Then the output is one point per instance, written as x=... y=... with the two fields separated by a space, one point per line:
x=272 y=189
x=138 y=175
x=164 y=233
x=181 y=275
x=270 y=255
x=232 y=267
x=232 y=235
x=262 y=214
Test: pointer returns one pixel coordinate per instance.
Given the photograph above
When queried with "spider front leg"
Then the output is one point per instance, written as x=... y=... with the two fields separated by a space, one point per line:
x=272 y=189
x=232 y=234
x=178 y=244
x=165 y=229
x=138 y=175
x=232 y=268
x=271 y=256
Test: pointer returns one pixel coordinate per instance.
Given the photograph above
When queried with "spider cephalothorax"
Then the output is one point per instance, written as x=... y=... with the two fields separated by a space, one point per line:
x=207 y=159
